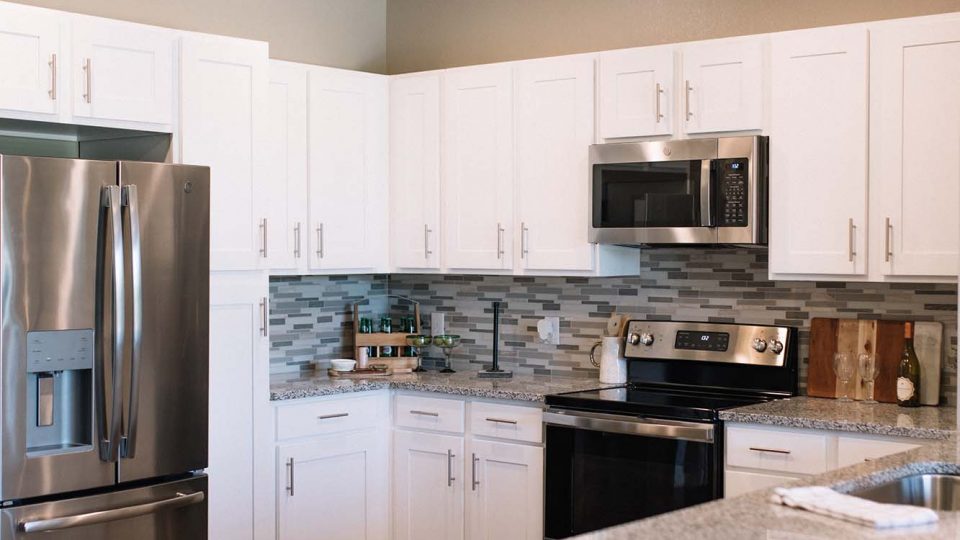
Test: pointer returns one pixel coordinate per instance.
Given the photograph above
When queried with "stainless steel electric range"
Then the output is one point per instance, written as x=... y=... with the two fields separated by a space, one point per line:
x=655 y=444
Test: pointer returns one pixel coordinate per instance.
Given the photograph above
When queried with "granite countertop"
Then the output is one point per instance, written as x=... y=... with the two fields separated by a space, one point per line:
x=752 y=516
x=519 y=388
x=829 y=414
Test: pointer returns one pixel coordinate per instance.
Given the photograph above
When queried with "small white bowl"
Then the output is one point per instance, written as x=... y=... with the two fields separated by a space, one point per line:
x=343 y=364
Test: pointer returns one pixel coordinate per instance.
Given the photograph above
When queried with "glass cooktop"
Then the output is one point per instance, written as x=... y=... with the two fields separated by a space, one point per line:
x=654 y=402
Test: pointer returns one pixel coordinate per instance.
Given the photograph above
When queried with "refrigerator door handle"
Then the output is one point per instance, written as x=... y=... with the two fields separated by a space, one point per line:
x=110 y=208
x=131 y=208
x=113 y=514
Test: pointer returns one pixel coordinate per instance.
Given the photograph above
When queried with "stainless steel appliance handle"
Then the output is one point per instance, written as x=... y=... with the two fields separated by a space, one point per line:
x=706 y=193
x=290 y=463
x=688 y=90
x=658 y=94
x=887 y=231
x=130 y=203
x=296 y=241
x=852 y=231
x=111 y=201
x=631 y=425
x=100 y=365
x=502 y=421
x=263 y=236
x=114 y=514
x=473 y=471
x=53 y=76
x=88 y=80
x=450 y=478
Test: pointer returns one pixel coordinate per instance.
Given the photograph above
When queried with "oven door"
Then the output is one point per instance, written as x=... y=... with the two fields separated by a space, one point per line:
x=653 y=193
x=605 y=469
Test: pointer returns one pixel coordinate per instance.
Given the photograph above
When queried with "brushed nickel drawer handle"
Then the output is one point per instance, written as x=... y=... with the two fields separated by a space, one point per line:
x=771 y=450
x=887 y=229
x=425 y=413
x=502 y=421
x=329 y=416
x=53 y=76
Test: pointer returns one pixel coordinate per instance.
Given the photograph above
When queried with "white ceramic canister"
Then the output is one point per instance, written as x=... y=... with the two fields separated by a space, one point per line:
x=612 y=364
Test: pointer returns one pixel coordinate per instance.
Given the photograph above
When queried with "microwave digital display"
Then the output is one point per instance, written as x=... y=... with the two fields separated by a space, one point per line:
x=702 y=341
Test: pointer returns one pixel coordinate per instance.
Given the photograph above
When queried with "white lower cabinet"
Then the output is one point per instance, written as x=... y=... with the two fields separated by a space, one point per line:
x=428 y=486
x=505 y=495
x=334 y=488
x=760 y=457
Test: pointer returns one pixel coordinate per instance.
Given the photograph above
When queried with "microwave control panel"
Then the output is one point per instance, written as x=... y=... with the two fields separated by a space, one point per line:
x=732 y=192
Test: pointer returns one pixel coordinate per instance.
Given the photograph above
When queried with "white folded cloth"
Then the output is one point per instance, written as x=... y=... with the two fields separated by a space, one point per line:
x=827 y=502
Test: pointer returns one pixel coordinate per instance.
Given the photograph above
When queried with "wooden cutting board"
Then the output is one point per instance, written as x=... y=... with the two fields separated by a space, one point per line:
x=883 y=338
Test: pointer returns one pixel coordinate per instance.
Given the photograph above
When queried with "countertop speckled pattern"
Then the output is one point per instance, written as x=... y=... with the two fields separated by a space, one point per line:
x=752 y=516
x=830 y=414
x=519 y=388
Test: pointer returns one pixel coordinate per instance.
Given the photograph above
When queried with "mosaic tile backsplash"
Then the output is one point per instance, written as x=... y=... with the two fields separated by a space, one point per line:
x=310 y=317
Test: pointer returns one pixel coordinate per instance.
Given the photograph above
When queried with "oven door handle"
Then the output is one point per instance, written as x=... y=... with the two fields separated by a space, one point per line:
x=631 y=425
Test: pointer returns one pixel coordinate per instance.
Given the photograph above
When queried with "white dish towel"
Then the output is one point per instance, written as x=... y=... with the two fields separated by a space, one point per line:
x=827 y=502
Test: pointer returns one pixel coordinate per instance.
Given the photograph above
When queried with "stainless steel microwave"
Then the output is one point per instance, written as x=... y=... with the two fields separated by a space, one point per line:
x=694 y=191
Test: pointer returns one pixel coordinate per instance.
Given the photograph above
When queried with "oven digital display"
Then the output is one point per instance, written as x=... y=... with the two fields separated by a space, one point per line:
x=702 y=341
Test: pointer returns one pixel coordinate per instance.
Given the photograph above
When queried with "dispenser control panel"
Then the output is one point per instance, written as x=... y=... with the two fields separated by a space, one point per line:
x=59 y=350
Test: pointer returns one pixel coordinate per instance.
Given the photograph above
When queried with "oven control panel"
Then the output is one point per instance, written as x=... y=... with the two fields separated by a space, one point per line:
x=732 y=196
x=707 y=342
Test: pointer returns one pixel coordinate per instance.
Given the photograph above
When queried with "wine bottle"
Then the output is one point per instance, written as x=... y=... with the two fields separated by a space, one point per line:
x=908 y=373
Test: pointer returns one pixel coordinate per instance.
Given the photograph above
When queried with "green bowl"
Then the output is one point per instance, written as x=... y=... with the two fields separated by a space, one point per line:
x=446 y=341
x=416 y=340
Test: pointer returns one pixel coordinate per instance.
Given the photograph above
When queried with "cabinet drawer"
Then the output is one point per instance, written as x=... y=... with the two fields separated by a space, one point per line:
x=436 y=414
x=776 y=450
x=323 y=417
x=853 y=450
x=739 y=482
x=506 y=422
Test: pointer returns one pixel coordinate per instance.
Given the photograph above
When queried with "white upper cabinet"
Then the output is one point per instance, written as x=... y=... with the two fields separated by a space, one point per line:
x=914 y=144
x=30 y=60
x=285 y=146
x=415 y=171
x=723 y=86
x=348 y=170
x=554 y=132
x=478 y=167
x=636 y=92
x=122 y=71
x=223 y=103
x=818 y=152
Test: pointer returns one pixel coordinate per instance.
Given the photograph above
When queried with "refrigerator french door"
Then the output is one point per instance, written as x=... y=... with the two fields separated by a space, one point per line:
x=104 y=311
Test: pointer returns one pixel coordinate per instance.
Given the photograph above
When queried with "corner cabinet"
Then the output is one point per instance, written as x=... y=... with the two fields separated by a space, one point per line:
x=478 y=167
x=914 y=134
x=223 y=116
x=818 y=152
x=348 y=186
x=415 y=172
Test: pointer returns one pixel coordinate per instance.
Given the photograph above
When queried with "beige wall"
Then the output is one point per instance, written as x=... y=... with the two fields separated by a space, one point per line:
x=430 y=34
x=349 y=34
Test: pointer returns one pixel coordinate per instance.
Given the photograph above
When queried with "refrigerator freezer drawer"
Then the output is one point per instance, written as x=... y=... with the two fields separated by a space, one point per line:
x=168 y=511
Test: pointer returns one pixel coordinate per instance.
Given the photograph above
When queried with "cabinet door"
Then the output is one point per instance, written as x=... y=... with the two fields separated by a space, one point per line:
x=478 y=167
x=30 y=41
x=415 y=171
x=723 y=86
x=636 y=92
x=223 y=101
x=818 y=152
x=554 y=132
x=428 y=485
x=285 y=145
x=505 y=494
x=348 y=170
x=915 y=129
x=239 y=366
x=122 y=71
x=334 y=488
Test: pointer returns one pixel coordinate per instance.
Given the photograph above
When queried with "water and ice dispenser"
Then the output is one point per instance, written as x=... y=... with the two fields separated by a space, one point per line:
x=59 y=390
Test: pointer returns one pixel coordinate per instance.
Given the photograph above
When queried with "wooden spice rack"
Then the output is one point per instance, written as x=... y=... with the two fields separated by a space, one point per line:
x=378 y=340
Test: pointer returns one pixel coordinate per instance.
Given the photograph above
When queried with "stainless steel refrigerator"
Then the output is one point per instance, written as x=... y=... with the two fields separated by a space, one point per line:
x=104 y=365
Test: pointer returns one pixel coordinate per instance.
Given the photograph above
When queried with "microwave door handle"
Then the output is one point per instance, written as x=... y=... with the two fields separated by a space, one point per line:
x=132 y=210
x=706 y=193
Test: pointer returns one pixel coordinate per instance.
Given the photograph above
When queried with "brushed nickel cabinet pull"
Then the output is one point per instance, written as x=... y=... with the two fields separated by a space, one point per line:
x=426 y=241
x=659 y=93
x=88 y=79
x=320 y=241
x=290 y=472
x=500 y=250
x=424 y=413
x=296 y=240
x=450 y=478
x=53 y=76
x=852 y=229
x=887 y=232
x=524 y=240
x=263 y=238
x=473 y=472
x=688 y=90
x=336 y=415
x=502 y=421
x=771 y=450
x=263 y=317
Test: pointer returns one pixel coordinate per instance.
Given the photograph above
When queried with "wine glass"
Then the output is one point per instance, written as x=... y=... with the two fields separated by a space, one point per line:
x=867 y=364
x=418 y=341
x=844 y=368
x=447 y=342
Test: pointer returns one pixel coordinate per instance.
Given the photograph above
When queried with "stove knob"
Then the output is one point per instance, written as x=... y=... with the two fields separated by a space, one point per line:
x=776 y=347
x=646 y=339
x=633 y=339
x=759 y=344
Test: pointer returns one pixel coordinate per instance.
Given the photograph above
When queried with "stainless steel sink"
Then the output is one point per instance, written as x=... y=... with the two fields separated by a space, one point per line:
x=936 y=491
